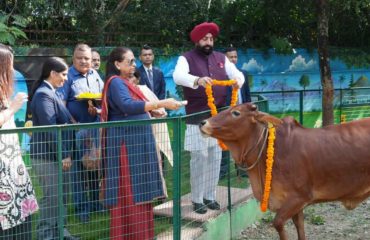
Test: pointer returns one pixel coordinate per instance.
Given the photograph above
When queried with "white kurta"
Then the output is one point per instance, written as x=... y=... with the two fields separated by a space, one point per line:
x=205 y=154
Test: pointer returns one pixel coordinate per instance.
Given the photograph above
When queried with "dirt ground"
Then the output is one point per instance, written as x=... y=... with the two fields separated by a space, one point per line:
x=325 y=221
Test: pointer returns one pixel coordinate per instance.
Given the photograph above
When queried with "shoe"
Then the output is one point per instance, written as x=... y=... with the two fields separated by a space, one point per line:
x=71 y=238
x=199 y=208
x=84 y=217
x=212 y=204
x=68 y=235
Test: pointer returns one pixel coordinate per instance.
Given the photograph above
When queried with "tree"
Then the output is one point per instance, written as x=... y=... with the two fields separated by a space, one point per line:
x=263 y=83
x=11 y=28
x=304 y=81
x=342 y=79
x=323 y=52
x=250 y=81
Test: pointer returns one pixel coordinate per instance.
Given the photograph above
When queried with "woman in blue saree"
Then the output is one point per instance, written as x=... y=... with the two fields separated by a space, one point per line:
x=132 y=177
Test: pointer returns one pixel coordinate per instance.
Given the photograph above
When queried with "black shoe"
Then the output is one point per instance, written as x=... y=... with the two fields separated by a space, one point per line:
x=68 y=235
x=71 y=238
x=212 y=204
x=199 y=208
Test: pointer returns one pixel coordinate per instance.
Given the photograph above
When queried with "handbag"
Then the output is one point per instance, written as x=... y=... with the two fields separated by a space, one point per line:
x=92 y=154
x=91 y=159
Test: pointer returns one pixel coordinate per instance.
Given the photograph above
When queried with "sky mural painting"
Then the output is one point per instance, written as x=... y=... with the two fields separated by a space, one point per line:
x=20 y=86
x=272 y=72
x=267 y=71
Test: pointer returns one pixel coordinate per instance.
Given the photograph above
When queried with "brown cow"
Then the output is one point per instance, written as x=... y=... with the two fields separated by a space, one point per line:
x=311 y=165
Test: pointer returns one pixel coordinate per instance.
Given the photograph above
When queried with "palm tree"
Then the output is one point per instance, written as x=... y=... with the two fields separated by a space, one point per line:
x=304 y=81
x=342 y=79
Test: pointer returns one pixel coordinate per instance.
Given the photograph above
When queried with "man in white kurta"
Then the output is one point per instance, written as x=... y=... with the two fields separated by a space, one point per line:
x=193 y=71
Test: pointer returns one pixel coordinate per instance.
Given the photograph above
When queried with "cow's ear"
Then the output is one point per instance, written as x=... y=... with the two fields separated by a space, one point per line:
x=266 y=118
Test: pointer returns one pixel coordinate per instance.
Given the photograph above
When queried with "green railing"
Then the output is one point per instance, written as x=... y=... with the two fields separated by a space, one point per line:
x=174 y=218
x=180 y=221
x=306 y=105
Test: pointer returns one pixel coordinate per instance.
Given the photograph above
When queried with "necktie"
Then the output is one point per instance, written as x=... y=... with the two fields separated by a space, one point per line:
x=150 y=77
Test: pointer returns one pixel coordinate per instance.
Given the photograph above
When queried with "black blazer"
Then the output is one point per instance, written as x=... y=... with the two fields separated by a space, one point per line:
x=48 y=109
x=158 y=81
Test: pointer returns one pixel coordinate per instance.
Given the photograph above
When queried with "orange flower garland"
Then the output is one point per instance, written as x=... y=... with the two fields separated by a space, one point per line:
x=211 y=100
x=269 y=163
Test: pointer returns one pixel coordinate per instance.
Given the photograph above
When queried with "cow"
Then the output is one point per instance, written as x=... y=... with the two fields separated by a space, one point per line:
x=310 y=165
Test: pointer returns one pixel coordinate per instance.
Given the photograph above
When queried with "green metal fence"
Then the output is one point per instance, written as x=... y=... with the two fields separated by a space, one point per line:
x=306 y=105
x=55 y=189
x=174 y=217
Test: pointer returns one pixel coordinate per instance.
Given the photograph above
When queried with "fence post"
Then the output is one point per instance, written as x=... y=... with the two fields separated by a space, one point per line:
x=60 y=184
x=340 y=104
x=301 y=107
x=177 y=137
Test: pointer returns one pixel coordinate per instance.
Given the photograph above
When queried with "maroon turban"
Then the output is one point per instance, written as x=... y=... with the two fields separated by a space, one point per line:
x=199 y=31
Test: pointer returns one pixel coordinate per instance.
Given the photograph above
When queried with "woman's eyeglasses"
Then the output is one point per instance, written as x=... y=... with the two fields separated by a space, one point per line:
x=130 y=62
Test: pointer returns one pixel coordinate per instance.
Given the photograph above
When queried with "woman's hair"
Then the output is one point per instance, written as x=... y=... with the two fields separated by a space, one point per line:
x=137 y=76
x=115 y=55
x=6 y=73
x=51 y=64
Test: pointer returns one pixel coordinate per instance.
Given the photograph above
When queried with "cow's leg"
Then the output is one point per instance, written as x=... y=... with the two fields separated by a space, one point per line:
x=292 y=207
x=298 y=221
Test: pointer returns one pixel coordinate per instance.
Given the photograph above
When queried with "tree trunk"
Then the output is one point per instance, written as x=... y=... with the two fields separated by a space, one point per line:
x=325 y=72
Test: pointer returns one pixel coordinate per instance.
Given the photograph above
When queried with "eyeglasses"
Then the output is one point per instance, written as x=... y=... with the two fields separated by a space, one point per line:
x=130 y=62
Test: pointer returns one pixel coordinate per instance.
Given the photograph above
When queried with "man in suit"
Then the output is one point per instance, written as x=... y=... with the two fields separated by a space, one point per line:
x=244 y=92
x=150 y=75
x=244 y=96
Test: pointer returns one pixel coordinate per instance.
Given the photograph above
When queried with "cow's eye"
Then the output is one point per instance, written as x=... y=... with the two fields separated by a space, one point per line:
x=235 y=113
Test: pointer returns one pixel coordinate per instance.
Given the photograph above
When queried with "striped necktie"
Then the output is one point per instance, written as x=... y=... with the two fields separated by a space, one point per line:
x=150 y=78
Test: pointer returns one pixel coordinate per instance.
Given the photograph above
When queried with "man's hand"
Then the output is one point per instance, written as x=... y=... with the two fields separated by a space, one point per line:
x=203 y=81
x=66 y=163
x=236 y=85
x=92 y=109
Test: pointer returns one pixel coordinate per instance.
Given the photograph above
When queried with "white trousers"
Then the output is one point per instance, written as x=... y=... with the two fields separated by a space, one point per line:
x=204 y=173
x=204 y=164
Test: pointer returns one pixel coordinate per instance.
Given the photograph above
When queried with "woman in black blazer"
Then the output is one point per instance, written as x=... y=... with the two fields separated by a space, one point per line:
x=48 y=109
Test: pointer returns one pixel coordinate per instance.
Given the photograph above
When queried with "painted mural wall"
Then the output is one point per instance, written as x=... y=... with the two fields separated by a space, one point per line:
x=268 y=72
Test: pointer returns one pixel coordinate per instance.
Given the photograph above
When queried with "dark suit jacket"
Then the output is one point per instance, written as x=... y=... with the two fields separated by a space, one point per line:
x=245 y=91
x=158 y=80
x=48 y=109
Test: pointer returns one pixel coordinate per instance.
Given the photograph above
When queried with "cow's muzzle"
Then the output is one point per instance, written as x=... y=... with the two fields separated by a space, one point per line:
x=204 y=128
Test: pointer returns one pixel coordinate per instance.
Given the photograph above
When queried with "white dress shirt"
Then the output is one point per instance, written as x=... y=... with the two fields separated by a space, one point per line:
x=182 y=77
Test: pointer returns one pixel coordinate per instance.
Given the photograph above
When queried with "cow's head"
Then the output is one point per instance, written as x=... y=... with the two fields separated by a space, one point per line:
x=236 y=123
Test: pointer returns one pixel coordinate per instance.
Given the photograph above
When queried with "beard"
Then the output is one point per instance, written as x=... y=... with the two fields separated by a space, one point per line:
x=206 y=49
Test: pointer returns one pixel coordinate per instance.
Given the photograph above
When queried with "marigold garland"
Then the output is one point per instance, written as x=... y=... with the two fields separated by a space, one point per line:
x=269 y=163
x=211 y=100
